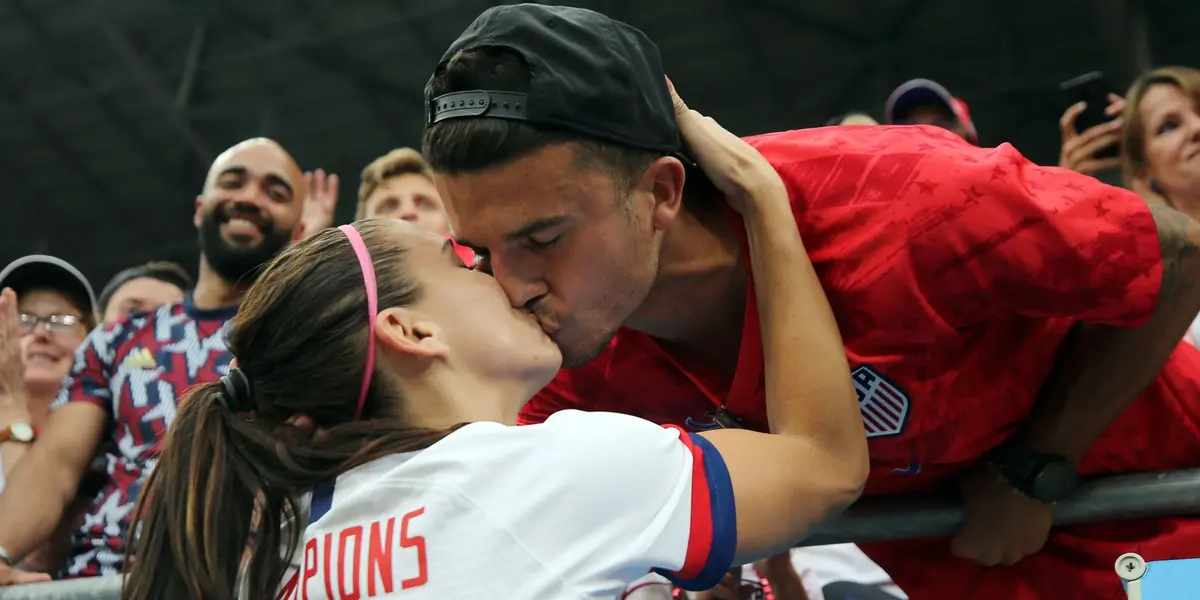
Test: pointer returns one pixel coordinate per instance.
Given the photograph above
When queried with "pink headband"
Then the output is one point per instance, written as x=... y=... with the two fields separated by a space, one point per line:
x=368 y=273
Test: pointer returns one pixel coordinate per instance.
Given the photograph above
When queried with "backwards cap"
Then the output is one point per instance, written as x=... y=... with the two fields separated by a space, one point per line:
x=588 y=74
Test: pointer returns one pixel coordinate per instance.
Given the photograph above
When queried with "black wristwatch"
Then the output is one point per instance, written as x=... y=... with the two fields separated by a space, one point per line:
x=1043 y=477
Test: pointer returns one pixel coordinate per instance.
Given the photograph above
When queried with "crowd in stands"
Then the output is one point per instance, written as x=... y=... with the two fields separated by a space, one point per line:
x=89 y=383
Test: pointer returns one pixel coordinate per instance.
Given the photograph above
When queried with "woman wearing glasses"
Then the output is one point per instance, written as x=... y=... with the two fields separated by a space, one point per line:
x=47 y=309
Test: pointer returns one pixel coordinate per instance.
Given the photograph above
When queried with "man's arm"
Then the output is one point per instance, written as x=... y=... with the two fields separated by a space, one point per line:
x=44 y=483
x=1102 y=369
x=983 y=233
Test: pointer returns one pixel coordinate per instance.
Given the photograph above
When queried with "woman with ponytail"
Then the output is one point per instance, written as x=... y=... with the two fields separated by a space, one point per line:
x=364 y=438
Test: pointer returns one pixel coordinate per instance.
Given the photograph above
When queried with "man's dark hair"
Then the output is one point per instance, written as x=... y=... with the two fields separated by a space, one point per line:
x=165 y=271
x=465 y=145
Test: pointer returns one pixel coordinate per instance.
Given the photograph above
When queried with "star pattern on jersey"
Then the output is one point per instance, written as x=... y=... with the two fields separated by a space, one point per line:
x=139 y=381
x=165 y=410
x=127 y=446
x=136 y=370
x=972 y=195
x=197 y=350
x=109 y=515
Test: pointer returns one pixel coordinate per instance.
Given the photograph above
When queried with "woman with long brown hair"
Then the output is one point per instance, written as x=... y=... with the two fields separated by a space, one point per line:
x=366 y=425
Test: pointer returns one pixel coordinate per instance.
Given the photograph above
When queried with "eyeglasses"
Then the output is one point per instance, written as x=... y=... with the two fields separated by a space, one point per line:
x=56 y=324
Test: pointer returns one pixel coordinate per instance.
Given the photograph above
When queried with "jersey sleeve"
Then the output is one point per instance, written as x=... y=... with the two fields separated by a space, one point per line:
x=983 y=232
x=610 y=497
x=89 y=378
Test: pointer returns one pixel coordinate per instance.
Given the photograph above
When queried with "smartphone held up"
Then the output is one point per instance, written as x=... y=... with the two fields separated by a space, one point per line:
x=1091 y=89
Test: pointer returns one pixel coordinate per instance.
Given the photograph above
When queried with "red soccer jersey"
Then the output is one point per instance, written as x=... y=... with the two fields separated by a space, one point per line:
x=955 y=272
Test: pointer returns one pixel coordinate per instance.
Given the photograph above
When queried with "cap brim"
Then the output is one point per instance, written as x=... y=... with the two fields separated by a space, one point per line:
x=918 y=92
x=40 y=270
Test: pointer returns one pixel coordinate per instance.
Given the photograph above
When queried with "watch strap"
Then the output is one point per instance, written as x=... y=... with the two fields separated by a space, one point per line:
x=1017 y=464
x=13 y=432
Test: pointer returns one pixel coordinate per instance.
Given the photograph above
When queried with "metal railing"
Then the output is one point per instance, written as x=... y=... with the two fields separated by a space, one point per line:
x=91 y=588
x=1116 y=498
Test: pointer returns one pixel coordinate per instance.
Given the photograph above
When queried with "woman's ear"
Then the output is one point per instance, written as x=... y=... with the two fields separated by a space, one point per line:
x=409 y=333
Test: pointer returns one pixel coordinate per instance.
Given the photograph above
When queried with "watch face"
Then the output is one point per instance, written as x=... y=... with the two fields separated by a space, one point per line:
x=1057 y=479
x=21 y=432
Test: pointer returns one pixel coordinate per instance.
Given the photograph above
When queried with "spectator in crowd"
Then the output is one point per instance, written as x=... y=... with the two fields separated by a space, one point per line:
x=925 y=102
x=123 y=389
x=46 y=312
x=942 y=260
x=143 y=288
x=1157 y=126
x=399 y=184
x=1160 y=144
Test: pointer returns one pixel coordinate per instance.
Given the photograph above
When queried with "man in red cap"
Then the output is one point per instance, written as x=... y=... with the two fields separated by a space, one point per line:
x=926 y=102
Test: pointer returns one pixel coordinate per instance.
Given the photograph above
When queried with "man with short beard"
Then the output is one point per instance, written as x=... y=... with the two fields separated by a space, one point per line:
x=122 y=392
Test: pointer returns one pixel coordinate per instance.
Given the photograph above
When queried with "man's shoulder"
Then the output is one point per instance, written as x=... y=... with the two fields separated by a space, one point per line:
x=803 y=144
x=632 y=376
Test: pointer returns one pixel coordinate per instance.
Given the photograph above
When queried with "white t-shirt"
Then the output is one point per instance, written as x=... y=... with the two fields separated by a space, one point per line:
x=576 y=507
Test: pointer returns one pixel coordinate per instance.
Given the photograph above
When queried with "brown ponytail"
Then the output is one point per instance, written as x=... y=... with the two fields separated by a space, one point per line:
x=195 y=510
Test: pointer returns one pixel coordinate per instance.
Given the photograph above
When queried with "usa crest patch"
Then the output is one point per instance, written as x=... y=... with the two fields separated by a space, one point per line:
x=884 y=406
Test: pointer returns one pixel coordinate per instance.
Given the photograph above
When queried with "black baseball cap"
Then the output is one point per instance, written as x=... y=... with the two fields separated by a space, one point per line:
x=588 y=73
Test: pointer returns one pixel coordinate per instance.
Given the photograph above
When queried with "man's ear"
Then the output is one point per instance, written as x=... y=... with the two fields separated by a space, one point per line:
x=409 y=333
x=665 y=178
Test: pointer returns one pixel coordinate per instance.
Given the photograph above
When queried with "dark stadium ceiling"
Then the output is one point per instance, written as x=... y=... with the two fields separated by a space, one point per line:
x=110 y=111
